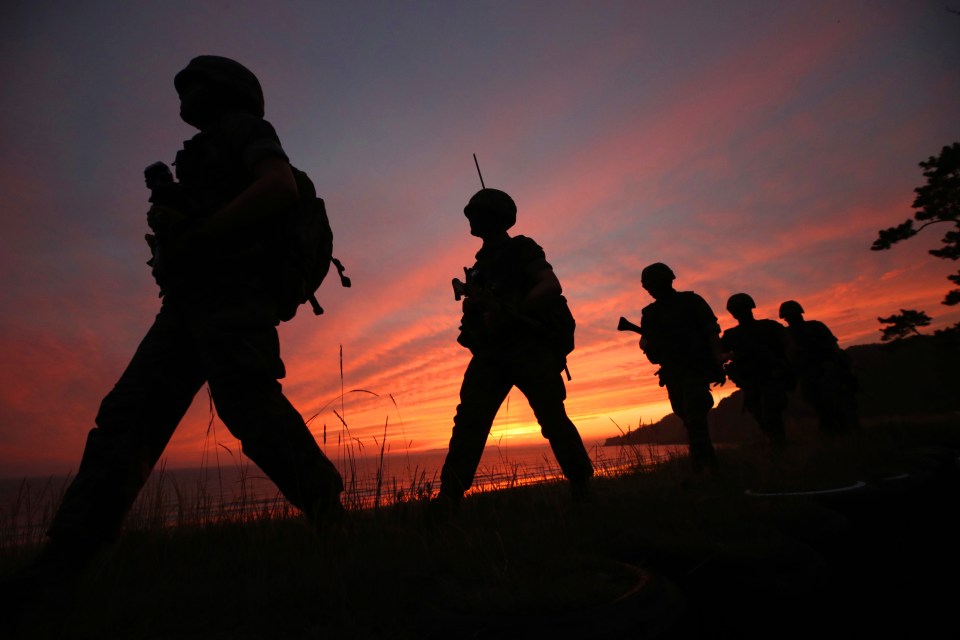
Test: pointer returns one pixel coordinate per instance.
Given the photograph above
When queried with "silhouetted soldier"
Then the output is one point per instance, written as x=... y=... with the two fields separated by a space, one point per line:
x=827 y=381
x=519 y=329
x=759 y=362
x=217 y=324
x=680 y=333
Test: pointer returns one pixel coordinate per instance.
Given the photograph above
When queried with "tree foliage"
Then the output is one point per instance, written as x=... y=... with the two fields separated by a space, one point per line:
x=937 y=201
x=903 y=324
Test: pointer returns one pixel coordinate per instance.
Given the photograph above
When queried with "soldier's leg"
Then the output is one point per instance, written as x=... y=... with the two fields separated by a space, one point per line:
x=813 y=392
x=774 y=403
x=753 y=404
x=765 y=403
x=543 y=386
x=848 y=403
x=828 y=405
x=134 y=424
x=839 y=400
x=244 y=366
x=691 y=400
x=485 y=386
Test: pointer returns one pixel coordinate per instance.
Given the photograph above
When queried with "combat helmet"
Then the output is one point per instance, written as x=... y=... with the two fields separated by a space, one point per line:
x=657 y=272
x=229 y=76
x=790 y=308
x=740 y=302
x=493 y=208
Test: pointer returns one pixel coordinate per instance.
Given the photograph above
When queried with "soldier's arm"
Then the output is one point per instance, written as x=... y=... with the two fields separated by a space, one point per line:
x=711 y=329
x=546 y=288
x=828 y=336
x=716 y=349
x=726 y=348
x=273 y=189
x=648 y=336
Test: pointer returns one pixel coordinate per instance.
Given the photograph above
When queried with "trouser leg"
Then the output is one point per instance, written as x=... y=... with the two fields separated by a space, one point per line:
x=691 y=400
x=766 y=404
x=274 y=436
x=134 y=424
x=702 y=453
x=546 y=393
x=244 y=366
x=838 y=403
x=816 y=393
x=484 y=388
x=828 y=410
x=774 y=404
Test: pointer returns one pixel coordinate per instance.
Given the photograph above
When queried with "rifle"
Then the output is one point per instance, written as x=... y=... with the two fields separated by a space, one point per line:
x=165 y=192
x=459 y=286
x=626 y=325
x=469 y=288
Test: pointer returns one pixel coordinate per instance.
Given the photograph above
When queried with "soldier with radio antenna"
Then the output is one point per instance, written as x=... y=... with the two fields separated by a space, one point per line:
x=519 y=330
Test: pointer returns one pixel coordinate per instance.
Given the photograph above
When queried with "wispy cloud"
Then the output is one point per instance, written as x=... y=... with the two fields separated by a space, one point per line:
x=754 y=147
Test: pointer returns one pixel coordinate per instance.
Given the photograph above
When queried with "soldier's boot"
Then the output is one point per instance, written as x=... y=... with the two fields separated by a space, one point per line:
x=445 y=507
x=581 y=490
x=327 y=509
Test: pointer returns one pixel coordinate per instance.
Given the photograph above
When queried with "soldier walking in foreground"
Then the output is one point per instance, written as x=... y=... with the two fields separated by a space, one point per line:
x=680 y=333
x=827 y=381
x=758 y=354
x=217 y=324
x=519 y=329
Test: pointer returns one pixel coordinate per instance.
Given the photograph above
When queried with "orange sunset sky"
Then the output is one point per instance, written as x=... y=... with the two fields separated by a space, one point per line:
x=753 y=146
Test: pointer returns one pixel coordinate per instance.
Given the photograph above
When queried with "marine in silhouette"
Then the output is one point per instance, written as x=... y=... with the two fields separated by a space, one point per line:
x=519 y=330
x=680 y=333
x=216 y=325
x=758 y=354
x=825 y=372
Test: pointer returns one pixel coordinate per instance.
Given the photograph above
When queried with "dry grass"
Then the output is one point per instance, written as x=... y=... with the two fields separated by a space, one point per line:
x=391 y=572
x=201 y=559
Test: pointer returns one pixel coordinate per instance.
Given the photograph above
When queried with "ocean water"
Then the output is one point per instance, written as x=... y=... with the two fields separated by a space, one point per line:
x=239 y=490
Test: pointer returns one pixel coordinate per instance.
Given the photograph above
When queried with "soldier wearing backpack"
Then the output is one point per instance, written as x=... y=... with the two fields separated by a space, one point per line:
x=216 y=325
x=519 y=329
x=681 y=334
x=827 y=379
x=759 y=354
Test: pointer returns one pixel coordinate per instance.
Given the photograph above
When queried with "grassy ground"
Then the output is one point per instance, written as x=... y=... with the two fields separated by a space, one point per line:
x=658 y=552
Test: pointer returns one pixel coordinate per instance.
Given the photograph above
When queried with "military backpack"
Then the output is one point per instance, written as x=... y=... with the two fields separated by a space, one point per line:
x=301 y=251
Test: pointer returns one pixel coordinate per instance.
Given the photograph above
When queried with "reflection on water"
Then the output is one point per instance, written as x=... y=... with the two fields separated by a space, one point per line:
x=240 y=491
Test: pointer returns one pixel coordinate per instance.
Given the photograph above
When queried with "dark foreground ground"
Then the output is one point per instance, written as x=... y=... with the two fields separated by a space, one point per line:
x=661 y=553
x=834 y=559
x=881 y=561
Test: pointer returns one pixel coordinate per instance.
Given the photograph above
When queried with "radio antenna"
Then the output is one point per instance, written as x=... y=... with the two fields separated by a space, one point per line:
x=478 y=171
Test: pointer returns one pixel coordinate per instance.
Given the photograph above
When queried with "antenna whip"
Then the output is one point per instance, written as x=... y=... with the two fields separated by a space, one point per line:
x=478 y=171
